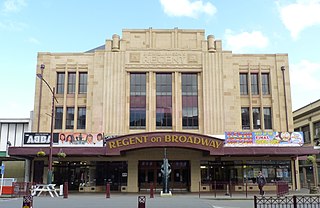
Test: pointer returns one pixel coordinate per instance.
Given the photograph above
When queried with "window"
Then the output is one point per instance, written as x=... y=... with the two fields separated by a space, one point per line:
x=164 y=101
x=60 y=82
x=243 y=84
x=58 y=118
x=316 y=130
x=265 y=83
x=256 y=118
x=70 y=118
x=245 y=118
x=137 y=101
x=254 y=84
x=267 y=118
x=71 y=82
x=81 y=118
x=83 y=82
x=190 y=101
x=306 y=133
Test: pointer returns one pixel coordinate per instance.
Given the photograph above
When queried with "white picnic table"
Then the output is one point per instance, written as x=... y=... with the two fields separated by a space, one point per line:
x=37 y=189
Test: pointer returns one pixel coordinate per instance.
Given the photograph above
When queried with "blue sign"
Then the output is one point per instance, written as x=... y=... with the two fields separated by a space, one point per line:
x=2 y=169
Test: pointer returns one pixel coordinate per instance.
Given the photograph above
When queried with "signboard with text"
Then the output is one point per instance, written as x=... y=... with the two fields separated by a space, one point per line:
x=243 y=139
x=39 y=138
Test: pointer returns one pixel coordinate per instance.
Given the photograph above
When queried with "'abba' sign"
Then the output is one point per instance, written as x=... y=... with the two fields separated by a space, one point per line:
x=162 y=139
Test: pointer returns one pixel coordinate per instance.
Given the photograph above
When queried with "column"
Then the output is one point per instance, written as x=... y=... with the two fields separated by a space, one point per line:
x=195 y=175
x=132 y=176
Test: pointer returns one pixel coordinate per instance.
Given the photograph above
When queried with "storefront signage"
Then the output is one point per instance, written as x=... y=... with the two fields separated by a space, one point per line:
x=162 y=139
x=243 y=139
x=39 y=138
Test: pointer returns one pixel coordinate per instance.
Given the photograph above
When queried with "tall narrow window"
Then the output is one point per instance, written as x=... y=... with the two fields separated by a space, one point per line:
x=254 y=84
x=267 y=118
x=58 y=118
x=316 y=130
x=137 y=101
x=265 y=83
x=190 y=101
x=243 y=83
x=83 y=82
x=81 y=124
x=245 y=118
x=71 y=82
x=60 y=82
x=306 y=133
x=164 y=101
x=256 y=118
x=70 y=118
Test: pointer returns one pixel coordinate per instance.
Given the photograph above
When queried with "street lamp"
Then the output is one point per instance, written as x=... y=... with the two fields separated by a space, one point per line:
x=42 y=66
x=49 y=177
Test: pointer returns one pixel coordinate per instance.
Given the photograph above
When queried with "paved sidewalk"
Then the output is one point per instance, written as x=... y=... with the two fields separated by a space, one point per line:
x=120 y=200
x=116 y=201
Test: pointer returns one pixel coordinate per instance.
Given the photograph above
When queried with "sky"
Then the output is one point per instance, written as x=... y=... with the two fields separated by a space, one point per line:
x=248 y=26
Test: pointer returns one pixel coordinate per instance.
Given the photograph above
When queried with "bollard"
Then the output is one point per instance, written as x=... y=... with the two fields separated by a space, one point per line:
x=61 y=190
x=27 y=201
x=65 y=190
x=108 y=190
x=151 y=191
x=141 y=202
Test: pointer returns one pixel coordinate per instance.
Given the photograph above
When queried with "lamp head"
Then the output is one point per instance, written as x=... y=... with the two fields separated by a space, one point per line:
x=283 y=68
x=39 y=76
x=42 y=66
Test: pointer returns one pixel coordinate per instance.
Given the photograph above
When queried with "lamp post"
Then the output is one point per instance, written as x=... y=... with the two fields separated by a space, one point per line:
x=285 y=96
x=49 y=177
x=42 y=67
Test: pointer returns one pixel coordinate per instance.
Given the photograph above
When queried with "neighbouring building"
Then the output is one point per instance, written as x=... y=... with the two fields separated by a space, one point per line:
x=11 y=134
x=307 y=120
x=220 y=116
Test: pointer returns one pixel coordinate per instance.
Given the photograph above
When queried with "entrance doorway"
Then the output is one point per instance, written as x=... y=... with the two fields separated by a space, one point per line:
x=150 y=174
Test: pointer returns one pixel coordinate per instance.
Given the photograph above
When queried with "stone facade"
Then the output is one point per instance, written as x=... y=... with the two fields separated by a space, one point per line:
x=155 y=51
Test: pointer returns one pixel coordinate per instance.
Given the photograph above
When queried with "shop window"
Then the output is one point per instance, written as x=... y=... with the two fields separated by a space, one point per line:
x=316 y=130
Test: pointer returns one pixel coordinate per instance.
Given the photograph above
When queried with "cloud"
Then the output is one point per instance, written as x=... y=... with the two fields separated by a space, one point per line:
x=304 y=80
x=187 y=8
x=300 y=15
x=12 y=25
x=13 y=5
x=245 y=40
x=33 y=40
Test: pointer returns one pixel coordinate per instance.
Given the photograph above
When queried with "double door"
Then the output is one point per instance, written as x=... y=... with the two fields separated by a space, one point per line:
x=150 y=174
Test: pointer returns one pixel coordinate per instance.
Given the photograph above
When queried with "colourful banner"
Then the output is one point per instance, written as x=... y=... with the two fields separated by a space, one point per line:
x=243 y=139
x=83 y=139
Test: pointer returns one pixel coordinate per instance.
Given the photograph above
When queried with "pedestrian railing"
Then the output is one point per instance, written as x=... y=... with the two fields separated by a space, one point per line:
x=295 y=201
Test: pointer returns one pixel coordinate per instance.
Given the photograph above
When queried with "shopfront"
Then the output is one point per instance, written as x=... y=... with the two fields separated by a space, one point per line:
x=132 y=163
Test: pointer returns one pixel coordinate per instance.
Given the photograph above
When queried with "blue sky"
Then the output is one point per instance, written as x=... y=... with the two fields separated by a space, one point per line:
x=249 y=26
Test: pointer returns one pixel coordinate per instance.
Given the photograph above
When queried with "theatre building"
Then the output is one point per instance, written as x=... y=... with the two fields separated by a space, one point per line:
x=118 y=108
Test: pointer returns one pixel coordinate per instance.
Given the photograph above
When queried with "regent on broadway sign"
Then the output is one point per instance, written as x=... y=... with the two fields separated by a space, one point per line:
x=163 y=139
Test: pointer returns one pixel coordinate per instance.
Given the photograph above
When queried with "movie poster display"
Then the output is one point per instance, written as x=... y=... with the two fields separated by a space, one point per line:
x=83 y=139
x=243 y=139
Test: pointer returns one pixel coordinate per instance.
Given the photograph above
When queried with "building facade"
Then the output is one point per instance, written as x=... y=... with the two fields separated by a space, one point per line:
x=154 y=90
x=307 y=120
x=11 y=135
